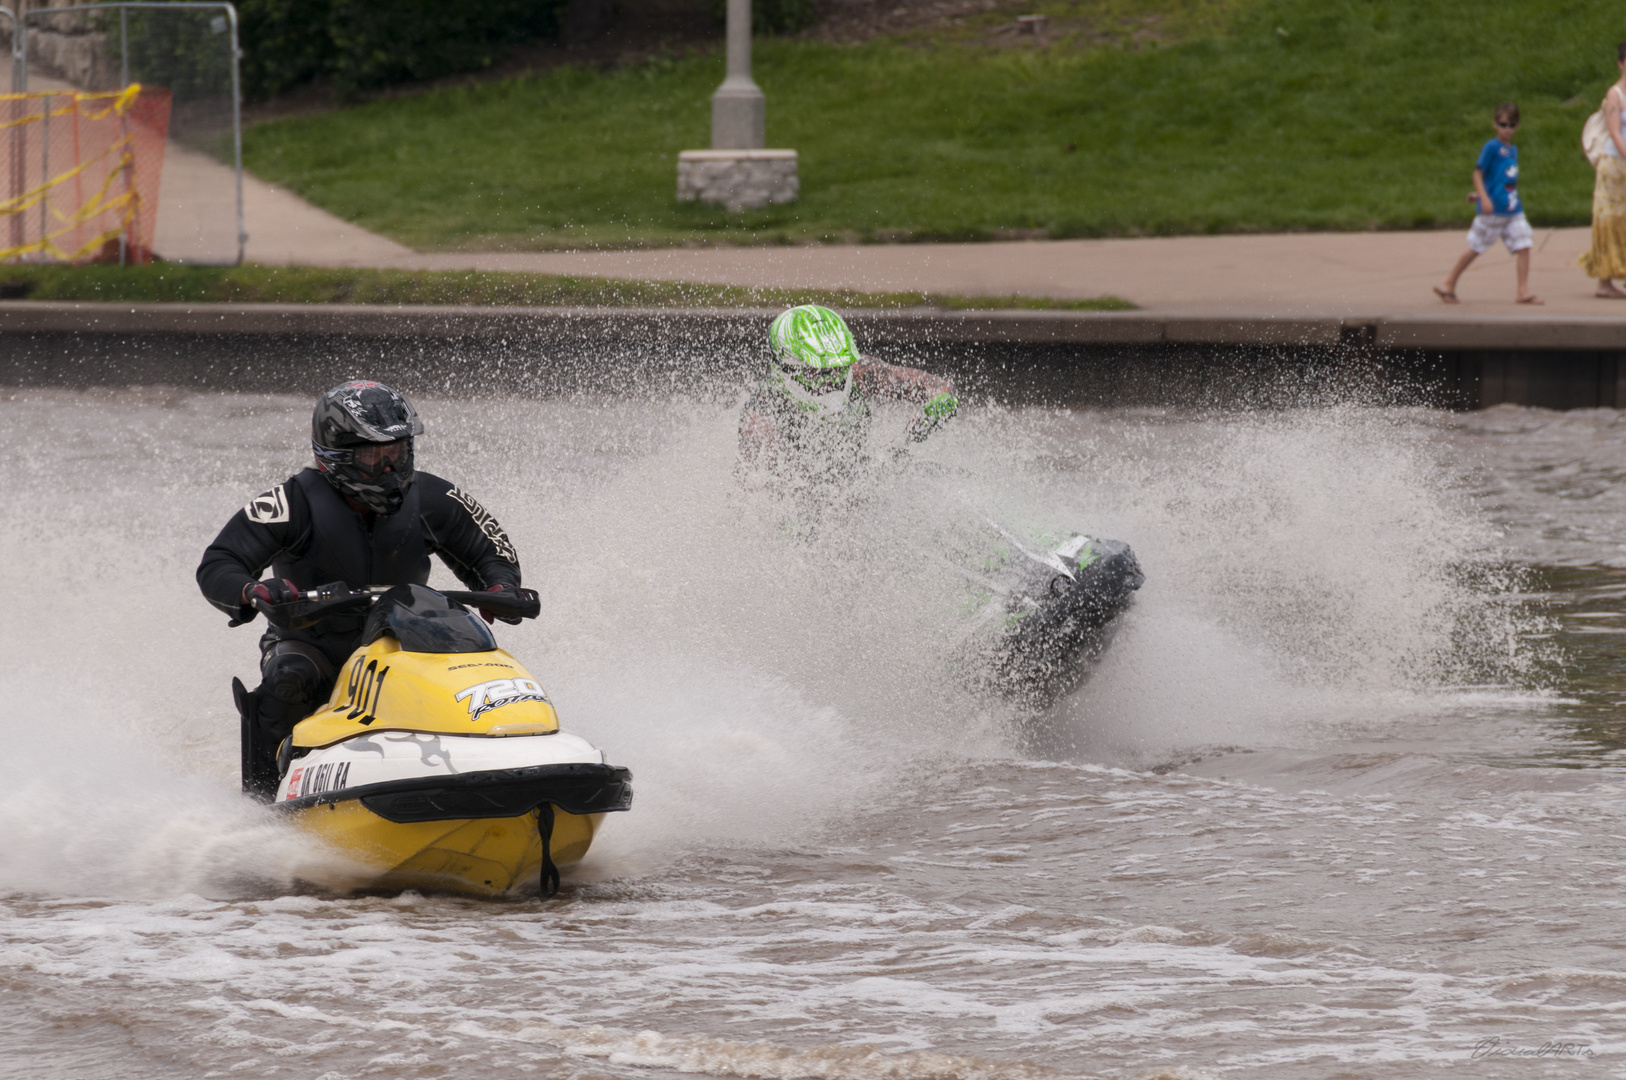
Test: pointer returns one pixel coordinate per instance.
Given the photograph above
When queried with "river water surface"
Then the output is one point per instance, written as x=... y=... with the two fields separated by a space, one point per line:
x=1346 y=796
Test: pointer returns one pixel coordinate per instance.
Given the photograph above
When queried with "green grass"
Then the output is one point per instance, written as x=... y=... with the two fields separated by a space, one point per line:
x=1271 y=115
x=307 y=285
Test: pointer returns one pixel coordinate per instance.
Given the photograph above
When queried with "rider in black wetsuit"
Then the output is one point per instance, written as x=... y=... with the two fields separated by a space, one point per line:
x=363 y=517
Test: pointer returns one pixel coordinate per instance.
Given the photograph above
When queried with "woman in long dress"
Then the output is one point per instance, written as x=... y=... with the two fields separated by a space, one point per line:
x=1607 y=259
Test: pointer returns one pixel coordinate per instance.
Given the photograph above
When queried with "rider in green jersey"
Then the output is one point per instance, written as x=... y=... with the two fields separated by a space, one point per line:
x=812 y=413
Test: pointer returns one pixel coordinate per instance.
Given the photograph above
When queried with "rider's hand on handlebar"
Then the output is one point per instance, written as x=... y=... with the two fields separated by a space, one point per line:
x=273 y=591
x=938 y=409
x=507 y=588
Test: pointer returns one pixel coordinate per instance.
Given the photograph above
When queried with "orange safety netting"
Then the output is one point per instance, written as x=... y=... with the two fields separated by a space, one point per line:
x=79 y=171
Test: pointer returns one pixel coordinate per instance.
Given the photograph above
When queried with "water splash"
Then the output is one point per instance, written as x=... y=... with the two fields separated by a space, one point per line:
x=1301 y=566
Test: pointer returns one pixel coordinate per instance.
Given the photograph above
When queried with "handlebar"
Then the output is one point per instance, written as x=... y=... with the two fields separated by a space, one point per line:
x=316 y=604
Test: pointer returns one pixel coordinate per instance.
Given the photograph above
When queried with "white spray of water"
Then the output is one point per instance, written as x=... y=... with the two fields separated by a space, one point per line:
x=758 y=685
x=1308 y=572
x=88 y=809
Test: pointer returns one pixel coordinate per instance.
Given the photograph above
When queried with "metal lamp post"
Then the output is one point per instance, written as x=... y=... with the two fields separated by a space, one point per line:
x=738 y=173
x=738 y=109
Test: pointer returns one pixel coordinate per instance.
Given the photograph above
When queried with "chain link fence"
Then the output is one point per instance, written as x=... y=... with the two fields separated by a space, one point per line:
x=122 y=137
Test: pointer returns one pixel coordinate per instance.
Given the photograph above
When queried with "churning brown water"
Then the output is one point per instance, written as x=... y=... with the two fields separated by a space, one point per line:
x=1344 y=797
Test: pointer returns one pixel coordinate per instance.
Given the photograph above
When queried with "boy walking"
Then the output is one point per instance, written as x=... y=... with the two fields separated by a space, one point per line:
x=1498 y=213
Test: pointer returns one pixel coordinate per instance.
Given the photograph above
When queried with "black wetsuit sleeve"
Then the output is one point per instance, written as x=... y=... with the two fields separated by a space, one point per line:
x=269 y=524
x=465 y=535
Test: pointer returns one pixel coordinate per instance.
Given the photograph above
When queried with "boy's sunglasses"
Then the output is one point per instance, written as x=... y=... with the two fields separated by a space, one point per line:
x=1507 y=127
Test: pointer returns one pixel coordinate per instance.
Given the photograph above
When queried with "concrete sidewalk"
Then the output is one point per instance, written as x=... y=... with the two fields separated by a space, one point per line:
x=1322 y=275
x=1312 y=274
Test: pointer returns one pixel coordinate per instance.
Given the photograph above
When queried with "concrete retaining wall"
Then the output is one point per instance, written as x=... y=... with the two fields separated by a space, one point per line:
x=1015 y=356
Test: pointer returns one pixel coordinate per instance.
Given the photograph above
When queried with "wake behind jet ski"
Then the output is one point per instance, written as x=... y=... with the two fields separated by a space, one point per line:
x=438 y=761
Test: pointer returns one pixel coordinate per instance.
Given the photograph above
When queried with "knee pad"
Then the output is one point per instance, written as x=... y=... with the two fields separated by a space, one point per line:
x=296 y=674
x=291 y=676
x=294 y=679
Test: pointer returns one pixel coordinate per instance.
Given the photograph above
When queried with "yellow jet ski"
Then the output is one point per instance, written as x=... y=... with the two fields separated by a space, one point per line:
x=438 y=761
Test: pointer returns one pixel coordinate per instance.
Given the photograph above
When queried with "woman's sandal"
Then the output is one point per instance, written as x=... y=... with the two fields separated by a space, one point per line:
x=1448 y=297
x=1532 y=299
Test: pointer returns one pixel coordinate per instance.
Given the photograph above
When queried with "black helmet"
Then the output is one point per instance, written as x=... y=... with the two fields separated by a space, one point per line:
x=366 y=416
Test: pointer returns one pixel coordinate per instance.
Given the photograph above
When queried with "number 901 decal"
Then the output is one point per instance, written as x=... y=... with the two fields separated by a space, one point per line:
x=362 y=691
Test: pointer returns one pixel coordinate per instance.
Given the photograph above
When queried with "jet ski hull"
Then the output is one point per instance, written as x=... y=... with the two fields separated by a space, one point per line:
x=438 y=763
x=475 y=856
x=455 y=813
x=1044 y=612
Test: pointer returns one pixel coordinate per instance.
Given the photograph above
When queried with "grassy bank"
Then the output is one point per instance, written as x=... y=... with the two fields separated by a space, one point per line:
x=306 y=285
x=1293 y=114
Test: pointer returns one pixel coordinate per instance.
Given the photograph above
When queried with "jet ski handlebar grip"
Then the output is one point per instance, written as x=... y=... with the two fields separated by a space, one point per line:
x=521 y=603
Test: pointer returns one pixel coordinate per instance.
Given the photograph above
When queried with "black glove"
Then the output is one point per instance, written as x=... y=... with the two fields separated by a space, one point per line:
x=273 y=591
x=507 y=589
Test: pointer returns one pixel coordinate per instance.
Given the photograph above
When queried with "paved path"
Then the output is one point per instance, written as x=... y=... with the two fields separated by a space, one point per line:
x=1322 y=274
x=197 y=219
x=1313 y=274
x=285 y=230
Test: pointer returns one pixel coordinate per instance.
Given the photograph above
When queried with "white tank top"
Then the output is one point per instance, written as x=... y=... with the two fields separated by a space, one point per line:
x=1609 y=147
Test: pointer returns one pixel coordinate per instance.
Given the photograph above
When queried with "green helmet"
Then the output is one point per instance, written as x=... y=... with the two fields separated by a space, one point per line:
x=813 y=345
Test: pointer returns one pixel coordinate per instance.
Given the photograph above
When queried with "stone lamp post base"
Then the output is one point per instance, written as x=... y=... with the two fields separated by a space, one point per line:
x=738 y=179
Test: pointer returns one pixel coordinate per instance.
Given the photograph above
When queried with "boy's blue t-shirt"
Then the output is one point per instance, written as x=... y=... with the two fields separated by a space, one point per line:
x=1499 y=163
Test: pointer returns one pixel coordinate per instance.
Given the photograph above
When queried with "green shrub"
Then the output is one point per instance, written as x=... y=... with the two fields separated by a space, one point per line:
x=364 y=44
x=186 y=50
x=285 y=44
x=772 y=16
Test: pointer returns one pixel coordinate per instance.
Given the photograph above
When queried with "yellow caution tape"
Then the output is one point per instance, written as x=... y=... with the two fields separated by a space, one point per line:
x=118 y=101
